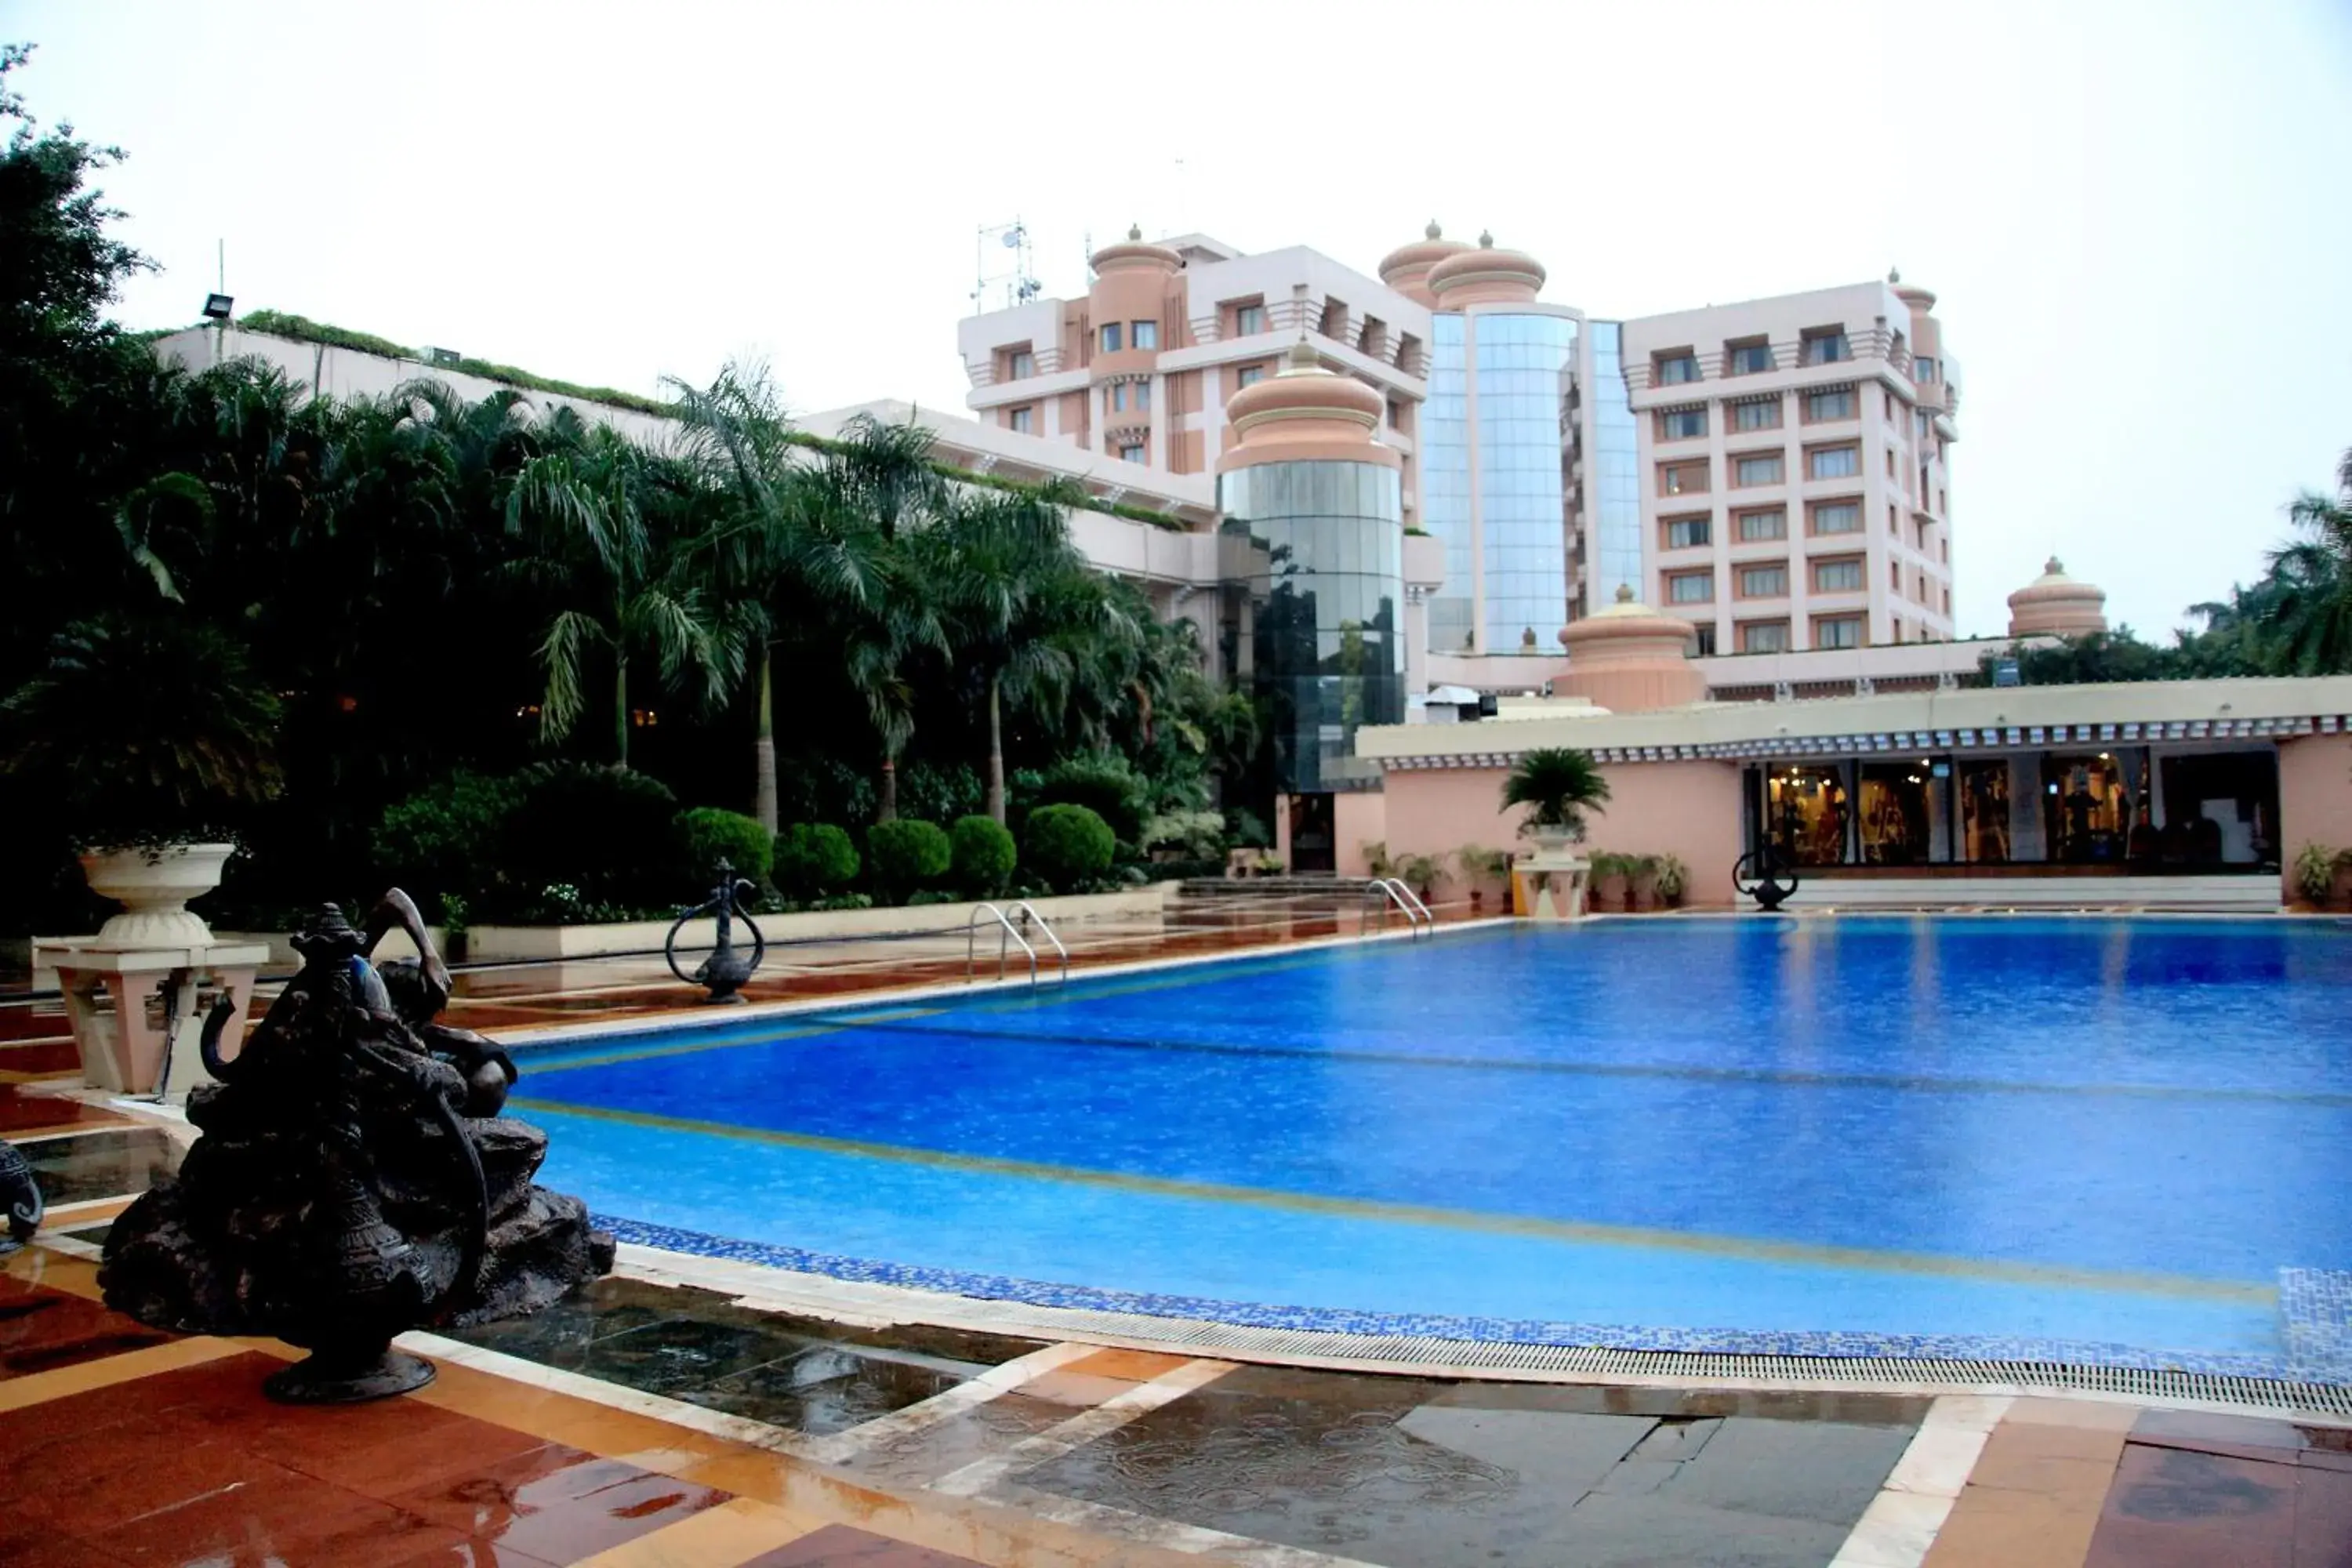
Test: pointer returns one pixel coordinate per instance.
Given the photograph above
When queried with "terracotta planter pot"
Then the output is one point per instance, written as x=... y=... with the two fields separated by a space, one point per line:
x=154 y=886
x=1609 y=893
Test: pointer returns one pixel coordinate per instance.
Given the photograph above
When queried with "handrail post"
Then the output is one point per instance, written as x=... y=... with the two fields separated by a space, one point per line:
x=972 y=926
x=1029 y=911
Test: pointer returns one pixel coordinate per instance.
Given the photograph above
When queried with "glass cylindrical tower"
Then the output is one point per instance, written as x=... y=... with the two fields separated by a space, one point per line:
x=1315 y=530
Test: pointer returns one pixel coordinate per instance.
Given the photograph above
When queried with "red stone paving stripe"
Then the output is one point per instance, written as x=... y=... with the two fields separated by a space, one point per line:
x=2171 y=1507
x=42 y=1330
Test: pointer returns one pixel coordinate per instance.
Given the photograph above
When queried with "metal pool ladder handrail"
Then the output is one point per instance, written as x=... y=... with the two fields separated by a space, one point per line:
x=971 y=939
x=1390 y=890
x=1028 y=911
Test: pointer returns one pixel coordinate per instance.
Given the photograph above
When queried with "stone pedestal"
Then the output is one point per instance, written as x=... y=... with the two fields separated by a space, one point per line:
x=131 y=1008
x=1549 y=883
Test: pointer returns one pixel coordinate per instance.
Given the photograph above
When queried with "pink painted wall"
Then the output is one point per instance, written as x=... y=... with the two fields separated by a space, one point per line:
x=1358 y=818
x=1690 y=809
x=2314 y=797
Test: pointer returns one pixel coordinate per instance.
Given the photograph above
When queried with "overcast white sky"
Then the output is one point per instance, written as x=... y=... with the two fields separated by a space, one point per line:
x=2135 y=211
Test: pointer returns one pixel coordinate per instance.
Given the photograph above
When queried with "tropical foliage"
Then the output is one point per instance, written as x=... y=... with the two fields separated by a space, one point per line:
x=471 y=640
x=2295 y=619
x=1557 y=785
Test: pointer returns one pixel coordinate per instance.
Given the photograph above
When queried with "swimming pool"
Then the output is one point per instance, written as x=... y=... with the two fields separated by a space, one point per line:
x=2048 y=1138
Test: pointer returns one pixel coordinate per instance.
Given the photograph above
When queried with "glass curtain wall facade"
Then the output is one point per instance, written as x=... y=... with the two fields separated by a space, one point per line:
x=1614 y=475
x=1319 y=547
x=1523 y=365
x=1446 y=484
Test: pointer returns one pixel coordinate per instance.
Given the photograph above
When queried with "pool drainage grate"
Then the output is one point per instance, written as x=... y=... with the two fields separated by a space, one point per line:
x=1401 y=1353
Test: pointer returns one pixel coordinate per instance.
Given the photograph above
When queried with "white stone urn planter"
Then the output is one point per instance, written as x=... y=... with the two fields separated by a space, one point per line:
x=154 y=885
x=1552 y=840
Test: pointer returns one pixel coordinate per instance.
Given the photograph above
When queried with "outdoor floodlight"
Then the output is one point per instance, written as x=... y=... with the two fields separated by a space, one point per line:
x=218 y=307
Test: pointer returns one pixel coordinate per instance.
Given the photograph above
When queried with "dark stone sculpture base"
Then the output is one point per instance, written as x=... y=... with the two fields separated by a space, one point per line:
x=347 y=1377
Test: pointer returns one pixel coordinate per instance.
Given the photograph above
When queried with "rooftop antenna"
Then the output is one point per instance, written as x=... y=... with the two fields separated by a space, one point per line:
x=1020 y=283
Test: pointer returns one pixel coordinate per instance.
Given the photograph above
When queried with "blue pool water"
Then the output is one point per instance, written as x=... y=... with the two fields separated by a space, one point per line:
x=2103 y=1132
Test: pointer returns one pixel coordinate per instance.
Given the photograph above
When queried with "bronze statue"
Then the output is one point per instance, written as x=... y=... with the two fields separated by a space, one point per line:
x=353 y=1179
x=20 y=1194
x=726 y=971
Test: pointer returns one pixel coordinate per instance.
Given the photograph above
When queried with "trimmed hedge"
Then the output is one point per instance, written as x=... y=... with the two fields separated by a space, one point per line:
x=982 y=855
x=1069 y=845
x=907 y=854
x=815 y=860
x=711 y=835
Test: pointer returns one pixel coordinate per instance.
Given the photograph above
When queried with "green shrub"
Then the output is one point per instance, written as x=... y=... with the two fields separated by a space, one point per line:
x=814 y=860
x=606 y=831
x=711 y=835
x=447 y=842
x=1069 y=844
x=982 y=855
x=906 y=854
x=1106 y=786
x=1192 y=835
x=934 y=793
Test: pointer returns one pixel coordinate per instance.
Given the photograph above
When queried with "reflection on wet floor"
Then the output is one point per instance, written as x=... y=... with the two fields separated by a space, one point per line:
x=799 y=1373
x=101 y=1164
x=1408 y=1471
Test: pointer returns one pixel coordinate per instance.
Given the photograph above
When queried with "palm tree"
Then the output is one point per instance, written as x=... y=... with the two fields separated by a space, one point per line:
x=1026 y=614
x=611 y=535
x=865 y=519
x=1559 y=785
x=2311 y=618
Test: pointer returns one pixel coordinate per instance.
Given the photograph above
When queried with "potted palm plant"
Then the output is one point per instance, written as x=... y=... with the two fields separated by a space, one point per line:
x=149 y=735
x=1557 y=785
x=1674 y=880
x=2315 y=874
x=1422 y=873
x=1612 y=877
x=1644 y=875
x=1481 y=866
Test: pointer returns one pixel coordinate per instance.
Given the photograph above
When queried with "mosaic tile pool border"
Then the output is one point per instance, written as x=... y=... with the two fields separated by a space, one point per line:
x=2316 y=1322
x=1506 y=1331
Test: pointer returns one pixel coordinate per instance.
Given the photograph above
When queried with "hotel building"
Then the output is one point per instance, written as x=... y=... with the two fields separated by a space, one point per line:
x=1795 y=490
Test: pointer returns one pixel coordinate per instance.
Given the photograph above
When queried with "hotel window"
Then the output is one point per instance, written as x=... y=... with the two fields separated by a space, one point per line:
x=1942 y=506
x=1676 y=369
x=1022 y=419
x=1750 y=359
x=1890 y=405
x=1947 y=604
x=1895 y=576
x=1764 y=582
x=1833 y=463
x=1249 y=320
x=1688 y=532
x=1837 y=576
x=1838 y=631
x=1682 y=424
x=1020 y=365
x=1763 y=469
x=1111 y=337
x=1755 y=526
x=1682 y=479
x=1838 y=517
x=1826 y=345
x=1690 y=588
x=1115 y=397
x=1144 y=335
x=1250 y=375
x=1764 y=636
x=1142 y=394
x=1705 y=631
x=1923 y=370
x=1132 y=453
x=1890 y=470
x=1893 y=523
x=1830 y=403
x=1757 y=413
